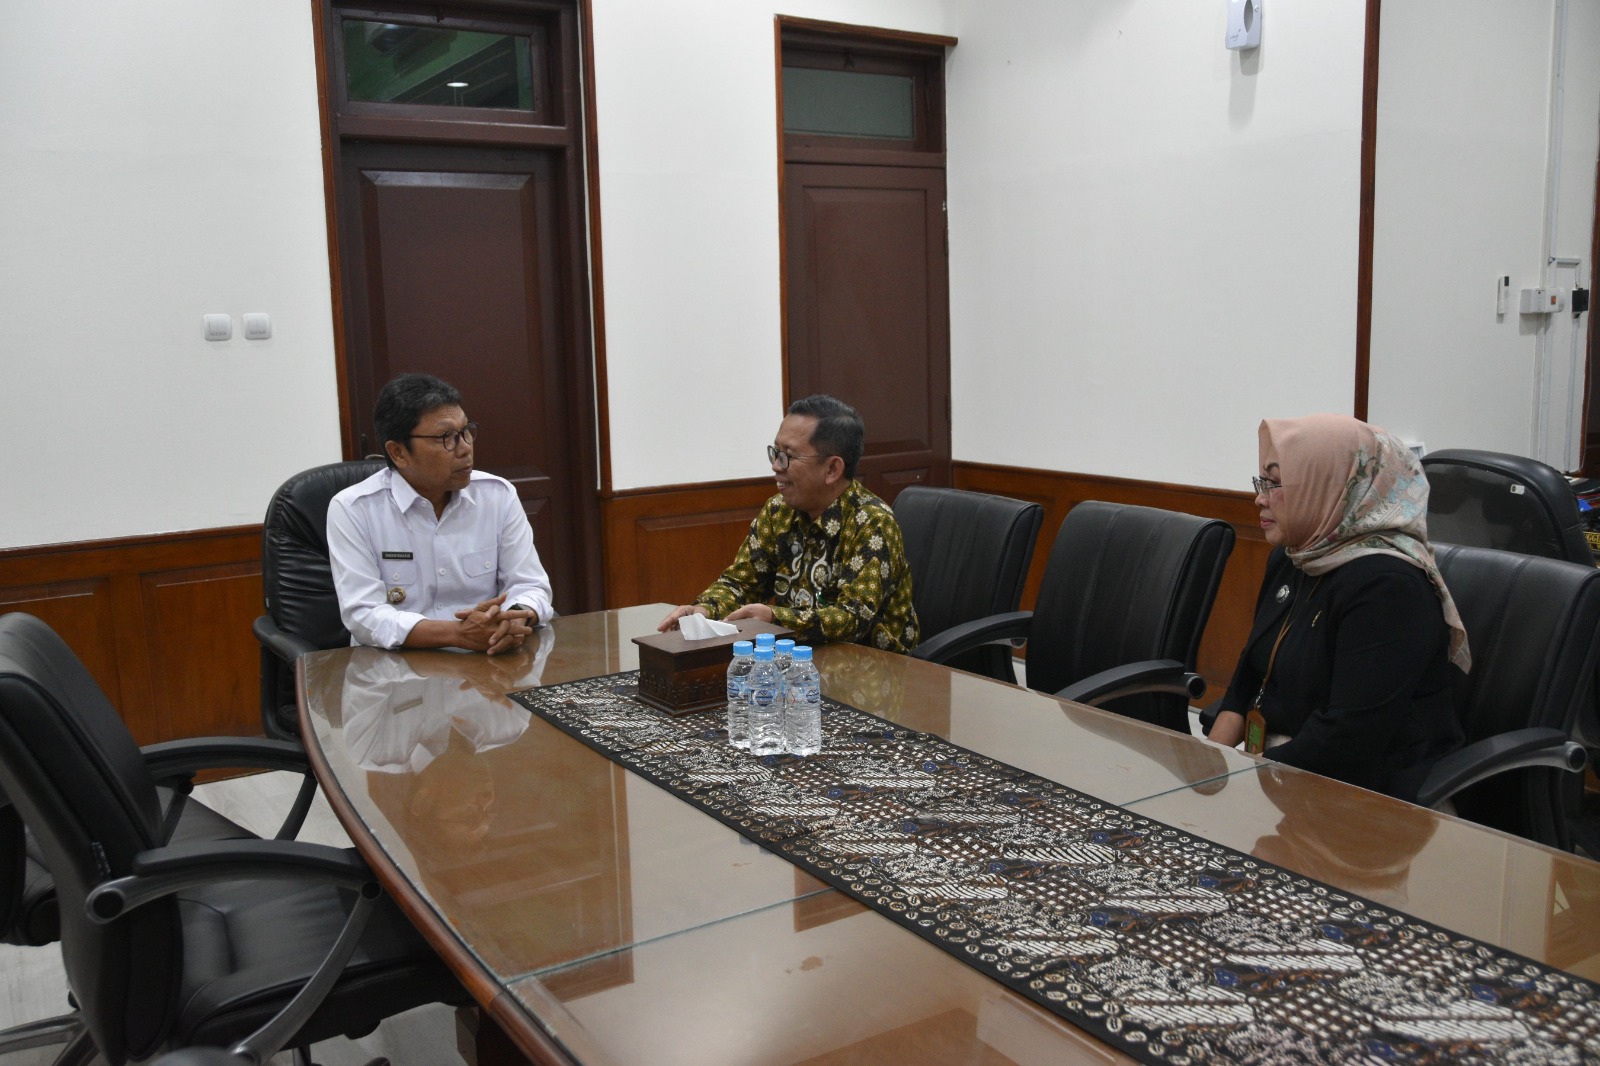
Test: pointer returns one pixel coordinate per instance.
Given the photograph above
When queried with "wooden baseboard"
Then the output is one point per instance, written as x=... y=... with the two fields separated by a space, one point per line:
x=162 y=622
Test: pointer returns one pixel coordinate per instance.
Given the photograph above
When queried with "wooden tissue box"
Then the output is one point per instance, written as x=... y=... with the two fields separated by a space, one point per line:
x=684 y=676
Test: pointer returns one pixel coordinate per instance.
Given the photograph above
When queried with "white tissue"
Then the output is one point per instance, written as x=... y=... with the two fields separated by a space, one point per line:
x=698 y=627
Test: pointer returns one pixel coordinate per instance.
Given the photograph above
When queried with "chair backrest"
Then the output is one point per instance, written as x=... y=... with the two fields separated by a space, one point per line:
x=81 y=786
x=969 y=554
x=1126 y=584
x=1534 y=628
x=1510 y=502
x=297 y=579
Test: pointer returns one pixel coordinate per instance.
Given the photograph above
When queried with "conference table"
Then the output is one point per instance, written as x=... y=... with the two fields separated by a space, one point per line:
x=597 y=918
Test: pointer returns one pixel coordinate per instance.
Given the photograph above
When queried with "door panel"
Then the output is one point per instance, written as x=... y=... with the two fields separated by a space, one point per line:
x=868 y=310
x=451 y=268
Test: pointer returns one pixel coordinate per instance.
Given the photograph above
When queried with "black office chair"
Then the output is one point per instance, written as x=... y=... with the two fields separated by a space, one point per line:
x=1534 y=627
x=297 y=583
x=1121 y=610
x=264 y=943
x=1510 y=502
x=969 y=554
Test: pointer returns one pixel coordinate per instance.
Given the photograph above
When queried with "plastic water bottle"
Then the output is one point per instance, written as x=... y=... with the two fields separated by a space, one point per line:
x=783 y=655
x=766 y=640
x=744 y=660
x=766 y=708
x=802 y=718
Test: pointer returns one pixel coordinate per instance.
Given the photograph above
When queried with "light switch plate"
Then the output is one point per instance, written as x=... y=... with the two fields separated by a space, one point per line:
x=219 y=327
x=257 y=326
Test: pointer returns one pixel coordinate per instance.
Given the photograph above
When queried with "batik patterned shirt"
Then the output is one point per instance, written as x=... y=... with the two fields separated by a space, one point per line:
x=839 y=578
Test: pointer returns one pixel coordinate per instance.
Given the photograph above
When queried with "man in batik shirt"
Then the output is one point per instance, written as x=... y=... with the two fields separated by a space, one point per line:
x=824 y=556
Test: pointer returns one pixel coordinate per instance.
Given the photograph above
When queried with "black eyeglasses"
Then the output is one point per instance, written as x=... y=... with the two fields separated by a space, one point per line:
x=781 y=459
x=454 y=438
x=1265 y=485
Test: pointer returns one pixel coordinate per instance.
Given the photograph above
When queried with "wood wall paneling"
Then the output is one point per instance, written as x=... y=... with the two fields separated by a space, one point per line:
x=162 y=622
x=668 y=544
x=1059 y=492
x=80 y=611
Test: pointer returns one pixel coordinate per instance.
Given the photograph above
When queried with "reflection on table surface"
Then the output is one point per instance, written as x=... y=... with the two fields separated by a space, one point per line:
x=634 y=928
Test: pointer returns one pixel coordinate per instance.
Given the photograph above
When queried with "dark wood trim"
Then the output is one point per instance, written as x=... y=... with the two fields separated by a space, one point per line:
x=874 y=157
x=689 y=487
x=1589 y=456
x=168 y=679
x=783 y=222
x=155 y=542
x=667 y=544
x=597 y=299
x=443 y=131
x=319 y=37
x=1369 y=164
x=844 y=29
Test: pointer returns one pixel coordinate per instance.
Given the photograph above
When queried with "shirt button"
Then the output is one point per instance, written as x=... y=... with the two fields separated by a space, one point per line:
x=441 y=572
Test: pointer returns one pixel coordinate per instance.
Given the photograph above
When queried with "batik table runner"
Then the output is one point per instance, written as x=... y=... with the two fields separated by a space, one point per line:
x=1168 y=946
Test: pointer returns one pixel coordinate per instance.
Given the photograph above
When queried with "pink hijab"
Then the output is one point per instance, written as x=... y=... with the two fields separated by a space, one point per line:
x=1349 y=490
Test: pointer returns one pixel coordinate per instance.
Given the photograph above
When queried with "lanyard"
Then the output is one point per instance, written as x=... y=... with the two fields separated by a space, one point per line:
x=1255 y=723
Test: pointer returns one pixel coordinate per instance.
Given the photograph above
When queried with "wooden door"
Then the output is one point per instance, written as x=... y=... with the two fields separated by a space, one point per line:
x=867 y=299
x=452 y=266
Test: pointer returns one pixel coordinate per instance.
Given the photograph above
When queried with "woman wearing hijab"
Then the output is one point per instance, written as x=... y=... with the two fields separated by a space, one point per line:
x=1357 y=647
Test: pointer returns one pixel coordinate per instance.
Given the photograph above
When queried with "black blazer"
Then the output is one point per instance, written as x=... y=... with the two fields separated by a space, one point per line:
x=1362 y=681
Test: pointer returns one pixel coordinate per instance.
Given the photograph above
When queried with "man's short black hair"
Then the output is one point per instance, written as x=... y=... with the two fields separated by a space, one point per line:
x=403 y=402
x=839 y=431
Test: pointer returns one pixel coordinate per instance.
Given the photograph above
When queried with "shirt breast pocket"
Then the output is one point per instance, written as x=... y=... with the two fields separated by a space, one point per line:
x=480 y=573
x=400 y=580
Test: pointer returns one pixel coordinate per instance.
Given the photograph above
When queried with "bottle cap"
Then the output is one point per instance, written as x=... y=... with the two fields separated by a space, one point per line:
x=785 y=645
x=764 y=653
x=743 y=647
x=765 y=639
x=802 y=653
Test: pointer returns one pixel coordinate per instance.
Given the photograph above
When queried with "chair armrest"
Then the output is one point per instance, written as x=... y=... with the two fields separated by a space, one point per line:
x=942 y=647
x=1208 y=715
x=185 y=758
x=1516 y=750
x=1130 y=679
x=160 y=872
x=285 y=646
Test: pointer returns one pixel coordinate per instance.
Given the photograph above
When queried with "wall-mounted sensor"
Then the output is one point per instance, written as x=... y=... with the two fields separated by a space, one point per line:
x=1542 y=301
x=1244 y=24
x=1502 y=294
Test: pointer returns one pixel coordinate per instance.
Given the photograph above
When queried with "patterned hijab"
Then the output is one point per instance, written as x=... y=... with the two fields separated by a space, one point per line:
x=1349 y=490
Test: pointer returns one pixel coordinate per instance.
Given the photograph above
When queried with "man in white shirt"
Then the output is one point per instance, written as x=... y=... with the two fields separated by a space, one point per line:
x=430 y=553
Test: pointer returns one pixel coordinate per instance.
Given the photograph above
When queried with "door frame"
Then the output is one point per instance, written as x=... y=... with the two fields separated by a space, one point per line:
x=581 y=304
x=928 y=150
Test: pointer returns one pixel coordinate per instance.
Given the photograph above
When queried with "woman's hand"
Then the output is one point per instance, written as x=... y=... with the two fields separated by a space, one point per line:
x=1228 y=729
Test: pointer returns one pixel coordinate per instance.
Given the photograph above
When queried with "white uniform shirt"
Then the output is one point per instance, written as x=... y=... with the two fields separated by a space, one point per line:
x=395 y=564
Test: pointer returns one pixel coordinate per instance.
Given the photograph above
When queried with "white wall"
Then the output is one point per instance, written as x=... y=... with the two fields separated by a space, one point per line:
x=688 y=147
x=1153 y=240
x=1463 y=139
x=157 y=162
